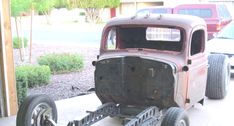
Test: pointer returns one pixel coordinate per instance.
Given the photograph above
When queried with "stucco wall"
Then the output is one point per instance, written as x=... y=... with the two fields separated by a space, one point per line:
x=129 y=7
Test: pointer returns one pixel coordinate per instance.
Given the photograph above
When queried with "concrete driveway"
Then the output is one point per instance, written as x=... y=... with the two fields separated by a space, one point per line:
x=213 y=113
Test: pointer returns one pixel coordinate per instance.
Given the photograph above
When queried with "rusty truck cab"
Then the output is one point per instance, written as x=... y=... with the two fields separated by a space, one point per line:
x=152 y=60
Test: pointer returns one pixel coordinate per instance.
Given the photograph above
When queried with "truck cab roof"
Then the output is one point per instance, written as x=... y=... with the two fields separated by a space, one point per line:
x=175 y=20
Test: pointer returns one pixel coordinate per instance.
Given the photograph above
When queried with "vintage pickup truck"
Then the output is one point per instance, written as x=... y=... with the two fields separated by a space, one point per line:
x=149 y=71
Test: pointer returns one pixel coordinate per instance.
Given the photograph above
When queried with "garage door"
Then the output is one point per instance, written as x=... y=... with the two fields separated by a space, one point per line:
x=129 y=8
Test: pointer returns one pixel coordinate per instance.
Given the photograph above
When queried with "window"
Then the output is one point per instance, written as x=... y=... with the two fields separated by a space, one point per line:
x=227 y=32
x=223 y=12
x=203 y=13
x=111 y=39
x=143 y=37
x=159 y=11
x=163 y=34
x=197 y=43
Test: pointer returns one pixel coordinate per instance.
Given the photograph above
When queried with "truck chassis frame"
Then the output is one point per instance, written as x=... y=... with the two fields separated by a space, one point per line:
x=150 y=116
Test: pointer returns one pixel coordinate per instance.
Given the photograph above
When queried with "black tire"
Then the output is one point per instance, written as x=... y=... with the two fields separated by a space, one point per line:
x=36 y=105
x=219 y=75
x=175 y=116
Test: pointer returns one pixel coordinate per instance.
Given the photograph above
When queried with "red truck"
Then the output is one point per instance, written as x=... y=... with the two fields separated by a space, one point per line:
x=216 y=15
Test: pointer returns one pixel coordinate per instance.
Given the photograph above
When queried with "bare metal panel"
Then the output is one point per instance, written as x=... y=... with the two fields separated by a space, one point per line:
x=135 y=81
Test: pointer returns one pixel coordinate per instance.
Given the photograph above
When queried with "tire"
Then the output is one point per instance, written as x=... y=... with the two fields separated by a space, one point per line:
x=32 y=111
x=175 y=116
x=219 y=75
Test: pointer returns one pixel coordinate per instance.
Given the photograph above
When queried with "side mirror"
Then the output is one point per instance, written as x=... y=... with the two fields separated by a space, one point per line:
x=94 y=63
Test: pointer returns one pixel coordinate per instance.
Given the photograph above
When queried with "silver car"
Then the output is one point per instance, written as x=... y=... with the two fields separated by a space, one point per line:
x=223 y=42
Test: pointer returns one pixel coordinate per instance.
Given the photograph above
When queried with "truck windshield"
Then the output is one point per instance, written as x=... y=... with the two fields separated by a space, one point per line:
x=144 y=37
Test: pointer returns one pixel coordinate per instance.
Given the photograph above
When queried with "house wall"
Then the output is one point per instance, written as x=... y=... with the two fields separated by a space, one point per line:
x=129 y=7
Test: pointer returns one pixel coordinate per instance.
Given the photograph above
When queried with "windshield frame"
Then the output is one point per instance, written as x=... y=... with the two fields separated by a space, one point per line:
x=106 y=32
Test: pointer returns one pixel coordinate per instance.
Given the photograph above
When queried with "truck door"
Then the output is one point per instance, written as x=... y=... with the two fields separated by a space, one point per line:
x=198 y=65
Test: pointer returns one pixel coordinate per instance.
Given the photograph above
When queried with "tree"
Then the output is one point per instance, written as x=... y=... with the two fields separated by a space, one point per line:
x=93 y=7
x=18 y=7
x=60 y=3
x=44 y=7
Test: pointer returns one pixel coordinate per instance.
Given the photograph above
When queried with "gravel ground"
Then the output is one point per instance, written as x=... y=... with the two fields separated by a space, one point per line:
x=68 y=85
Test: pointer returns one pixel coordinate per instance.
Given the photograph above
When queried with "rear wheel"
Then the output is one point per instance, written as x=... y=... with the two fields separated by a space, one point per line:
x=219 y=74
x=175 y=116
x=36 y=110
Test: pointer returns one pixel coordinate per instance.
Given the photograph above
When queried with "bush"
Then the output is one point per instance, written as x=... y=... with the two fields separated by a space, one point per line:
x=36 y=75
x=21 y=84
x=62 y=63
x=17 y=44
x=82 y=13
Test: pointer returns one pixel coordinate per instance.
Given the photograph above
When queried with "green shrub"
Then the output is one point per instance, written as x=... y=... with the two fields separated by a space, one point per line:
x=17 y=44
x=36 y=75
x=82 y=13
x=21 y=84
x=62 y=63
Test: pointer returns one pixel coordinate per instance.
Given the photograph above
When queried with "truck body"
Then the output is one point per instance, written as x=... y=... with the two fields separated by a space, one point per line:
x=156 y=60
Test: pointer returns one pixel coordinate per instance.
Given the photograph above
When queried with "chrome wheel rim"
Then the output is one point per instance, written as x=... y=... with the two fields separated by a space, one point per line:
x=40 y=113
x=181 y=123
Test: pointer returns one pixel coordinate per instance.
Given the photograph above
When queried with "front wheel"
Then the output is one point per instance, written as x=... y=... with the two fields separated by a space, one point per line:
x=175 y=116
x=36 y=110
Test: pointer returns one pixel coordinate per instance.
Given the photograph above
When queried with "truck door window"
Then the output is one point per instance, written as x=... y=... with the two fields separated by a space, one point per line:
x=197 y=43
x=111 y=39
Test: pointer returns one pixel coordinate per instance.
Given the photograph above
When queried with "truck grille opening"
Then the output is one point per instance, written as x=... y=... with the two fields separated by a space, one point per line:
x=134 y=81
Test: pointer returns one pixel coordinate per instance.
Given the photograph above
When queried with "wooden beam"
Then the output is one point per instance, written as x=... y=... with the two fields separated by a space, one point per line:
x=7 y=62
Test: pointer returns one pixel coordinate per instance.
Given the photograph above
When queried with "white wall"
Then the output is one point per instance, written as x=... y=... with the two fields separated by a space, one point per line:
x=129 y=7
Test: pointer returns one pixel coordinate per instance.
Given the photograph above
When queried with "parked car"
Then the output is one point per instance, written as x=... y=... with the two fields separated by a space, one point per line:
x=155 y=10
x=223 y=42
x=216 y=15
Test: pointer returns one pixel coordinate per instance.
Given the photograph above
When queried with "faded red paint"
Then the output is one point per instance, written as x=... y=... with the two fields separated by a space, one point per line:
x=186 y=93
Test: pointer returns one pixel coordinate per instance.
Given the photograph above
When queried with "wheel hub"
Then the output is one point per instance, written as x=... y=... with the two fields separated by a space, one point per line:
x=40 y=113
x=182 y=123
